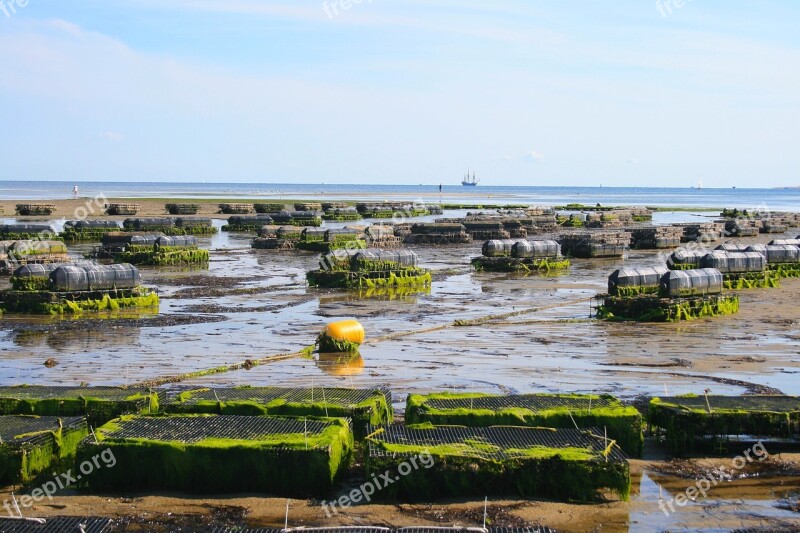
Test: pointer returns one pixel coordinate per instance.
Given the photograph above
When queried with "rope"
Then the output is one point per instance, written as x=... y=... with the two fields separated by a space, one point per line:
x=306 y=352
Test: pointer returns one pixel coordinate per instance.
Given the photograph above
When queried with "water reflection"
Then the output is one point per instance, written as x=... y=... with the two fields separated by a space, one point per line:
x=77 y=340
x=341 y=364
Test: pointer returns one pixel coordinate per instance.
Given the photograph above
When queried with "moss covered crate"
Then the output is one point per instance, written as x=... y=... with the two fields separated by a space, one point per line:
x=457 y=461
x=362 y=406
x=98 y=404
x=518 y=265
x=623 y=423
x=215 y=454
x=77 y=302
x=32 y=445
x=697 y=422
x=654 y=309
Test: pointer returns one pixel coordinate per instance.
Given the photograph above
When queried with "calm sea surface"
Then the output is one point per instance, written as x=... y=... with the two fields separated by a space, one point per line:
x=772 y=199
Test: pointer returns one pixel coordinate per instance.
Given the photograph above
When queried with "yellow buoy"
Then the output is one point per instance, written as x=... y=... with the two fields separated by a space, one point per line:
x=342 y=336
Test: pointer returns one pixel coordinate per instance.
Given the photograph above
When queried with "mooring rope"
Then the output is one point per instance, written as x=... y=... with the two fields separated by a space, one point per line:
x=306 y=352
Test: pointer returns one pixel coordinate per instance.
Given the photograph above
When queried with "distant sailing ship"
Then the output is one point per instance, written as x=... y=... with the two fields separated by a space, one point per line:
x=469 y=181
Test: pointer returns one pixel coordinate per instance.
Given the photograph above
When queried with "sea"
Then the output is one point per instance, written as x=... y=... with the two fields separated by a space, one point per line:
x=776 y=199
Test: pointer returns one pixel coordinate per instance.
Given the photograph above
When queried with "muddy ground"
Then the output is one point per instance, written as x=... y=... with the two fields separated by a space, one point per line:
x=250 y=304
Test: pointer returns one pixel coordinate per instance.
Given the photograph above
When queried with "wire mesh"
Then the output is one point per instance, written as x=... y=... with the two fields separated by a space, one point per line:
x=494 y=443
x=23 y=430
x=192 y=429
x=775 y=404
x=39 y=392
x=115 y=401
x=67 y=524
x=371 y=529
x=534 y=402
x=265 y=395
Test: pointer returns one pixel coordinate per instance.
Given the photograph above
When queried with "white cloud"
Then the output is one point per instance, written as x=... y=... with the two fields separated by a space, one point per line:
x=533 y=155
x=632 y=161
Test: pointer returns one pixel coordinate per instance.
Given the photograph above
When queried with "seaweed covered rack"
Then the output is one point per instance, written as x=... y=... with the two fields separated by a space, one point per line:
x=152 y=249
x=221 y=454
x=703 y=422
x=371 y=268
x=623 y=423
x=565 y=464
x=519 y=255
x=74 y=289
x=98 y=404
x=362 y=406
x=652 y=295
x=31 y=445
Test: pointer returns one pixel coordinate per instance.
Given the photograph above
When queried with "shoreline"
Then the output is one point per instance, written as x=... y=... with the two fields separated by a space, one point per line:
x=154 y=207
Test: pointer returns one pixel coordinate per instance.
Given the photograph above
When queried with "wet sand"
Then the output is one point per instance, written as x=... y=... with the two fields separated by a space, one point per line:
x=250 y=304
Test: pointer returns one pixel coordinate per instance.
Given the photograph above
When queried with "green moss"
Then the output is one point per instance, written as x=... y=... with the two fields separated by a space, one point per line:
x=624 y=423
x=299 y=465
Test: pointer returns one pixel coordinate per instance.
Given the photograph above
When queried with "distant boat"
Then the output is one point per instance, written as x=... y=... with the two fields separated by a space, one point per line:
x=469 y=181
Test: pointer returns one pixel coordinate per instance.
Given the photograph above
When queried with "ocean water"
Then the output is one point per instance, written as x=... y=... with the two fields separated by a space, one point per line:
x=765 y=199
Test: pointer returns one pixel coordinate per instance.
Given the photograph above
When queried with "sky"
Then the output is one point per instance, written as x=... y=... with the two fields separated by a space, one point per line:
x=567 y=92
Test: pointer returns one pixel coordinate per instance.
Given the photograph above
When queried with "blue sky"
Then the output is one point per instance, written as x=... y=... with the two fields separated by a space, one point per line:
x=617 y=93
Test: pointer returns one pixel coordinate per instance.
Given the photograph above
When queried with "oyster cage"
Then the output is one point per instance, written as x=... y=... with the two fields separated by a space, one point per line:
x=64 y=524
x=99 y=404
x=31 y=445
x=457 y=461
x=622 y=423
x=362 y=406
x=219 y=454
